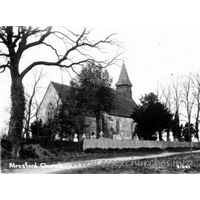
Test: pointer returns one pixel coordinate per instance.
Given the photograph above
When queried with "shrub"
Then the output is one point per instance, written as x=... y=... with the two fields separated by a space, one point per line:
x=6 y=146
x=6 y=143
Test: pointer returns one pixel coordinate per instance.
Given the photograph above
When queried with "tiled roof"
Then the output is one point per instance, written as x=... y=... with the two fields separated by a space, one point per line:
x=124 y=107
x=61 y=89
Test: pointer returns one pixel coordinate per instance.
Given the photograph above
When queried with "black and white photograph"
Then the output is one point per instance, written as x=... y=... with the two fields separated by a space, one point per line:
x=108 y=98
x=79 y=103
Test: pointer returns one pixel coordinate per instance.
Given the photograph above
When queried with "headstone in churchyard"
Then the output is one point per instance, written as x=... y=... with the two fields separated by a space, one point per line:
x=75 y=137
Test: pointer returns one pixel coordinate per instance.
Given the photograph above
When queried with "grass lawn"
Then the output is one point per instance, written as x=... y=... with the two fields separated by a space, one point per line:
x=60 y=155
x=177 y=164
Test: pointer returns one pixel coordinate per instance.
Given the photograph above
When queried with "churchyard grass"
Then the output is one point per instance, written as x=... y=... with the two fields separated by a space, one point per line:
x=177 y=164
x=62 y=156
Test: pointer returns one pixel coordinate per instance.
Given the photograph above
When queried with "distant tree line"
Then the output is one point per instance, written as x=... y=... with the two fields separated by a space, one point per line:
x=182 y=98
x=153 y=118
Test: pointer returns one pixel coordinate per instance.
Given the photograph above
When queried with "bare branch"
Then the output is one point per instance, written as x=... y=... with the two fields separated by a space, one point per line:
x=64 y=36
x=35 y=64
x=2 y=37
x=56 y=52
x=77 y=42
x=83 y=54
x=38 y=42
x=58 y=63
x=66 y=69
x=3 y=67
x=5 y=54
x=30 y=101
x=188 y=98
x=19 y=35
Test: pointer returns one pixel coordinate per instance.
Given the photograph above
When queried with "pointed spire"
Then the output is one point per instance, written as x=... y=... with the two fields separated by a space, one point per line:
x=123 y=77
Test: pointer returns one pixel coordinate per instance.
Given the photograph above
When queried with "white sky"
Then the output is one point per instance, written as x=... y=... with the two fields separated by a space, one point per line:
x=161 y=39
x=152 y=55
x=147 y=62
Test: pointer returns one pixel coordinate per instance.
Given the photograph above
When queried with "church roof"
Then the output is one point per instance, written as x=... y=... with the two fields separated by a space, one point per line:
x=61 y=89
x=124 y=107
x=123 y=77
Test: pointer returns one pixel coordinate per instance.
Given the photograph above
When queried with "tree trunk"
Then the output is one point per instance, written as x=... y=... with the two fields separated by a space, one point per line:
x=38 y=129
x=189 y=132
x=17 y=115
x=168 y=135
x=177 y=125
x=97 y=114
x=61 y=135
x=179 y=132
x=160 y=135
x=197 y=128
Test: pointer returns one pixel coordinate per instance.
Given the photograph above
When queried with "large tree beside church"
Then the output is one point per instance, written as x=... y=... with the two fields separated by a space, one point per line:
x=66 y=49
x=94 y=94
x=151 y=116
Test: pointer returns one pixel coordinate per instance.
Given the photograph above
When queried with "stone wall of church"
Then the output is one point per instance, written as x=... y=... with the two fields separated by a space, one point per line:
x=122 y=125
x=49 y=103
x=90 y=125
x=125 y=126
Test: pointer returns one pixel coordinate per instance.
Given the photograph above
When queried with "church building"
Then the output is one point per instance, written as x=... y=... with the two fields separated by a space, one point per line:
x=115 y=124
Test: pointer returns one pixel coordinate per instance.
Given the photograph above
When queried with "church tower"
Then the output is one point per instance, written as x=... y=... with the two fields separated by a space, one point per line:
x=124 y=84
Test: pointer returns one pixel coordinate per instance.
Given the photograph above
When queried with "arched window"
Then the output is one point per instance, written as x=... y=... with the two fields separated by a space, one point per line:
x=50 y=111
x=117 y=127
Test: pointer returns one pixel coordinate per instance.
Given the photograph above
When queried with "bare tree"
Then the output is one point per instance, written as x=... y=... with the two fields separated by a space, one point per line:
x=16 y=41
x=165 y=95
x=32 y=104
x=196 y=93
x=177 y=101
x=188 y=100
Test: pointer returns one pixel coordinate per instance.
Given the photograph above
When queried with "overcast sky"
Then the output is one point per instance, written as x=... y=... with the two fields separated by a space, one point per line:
x=153 y=54
x=161 y=38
